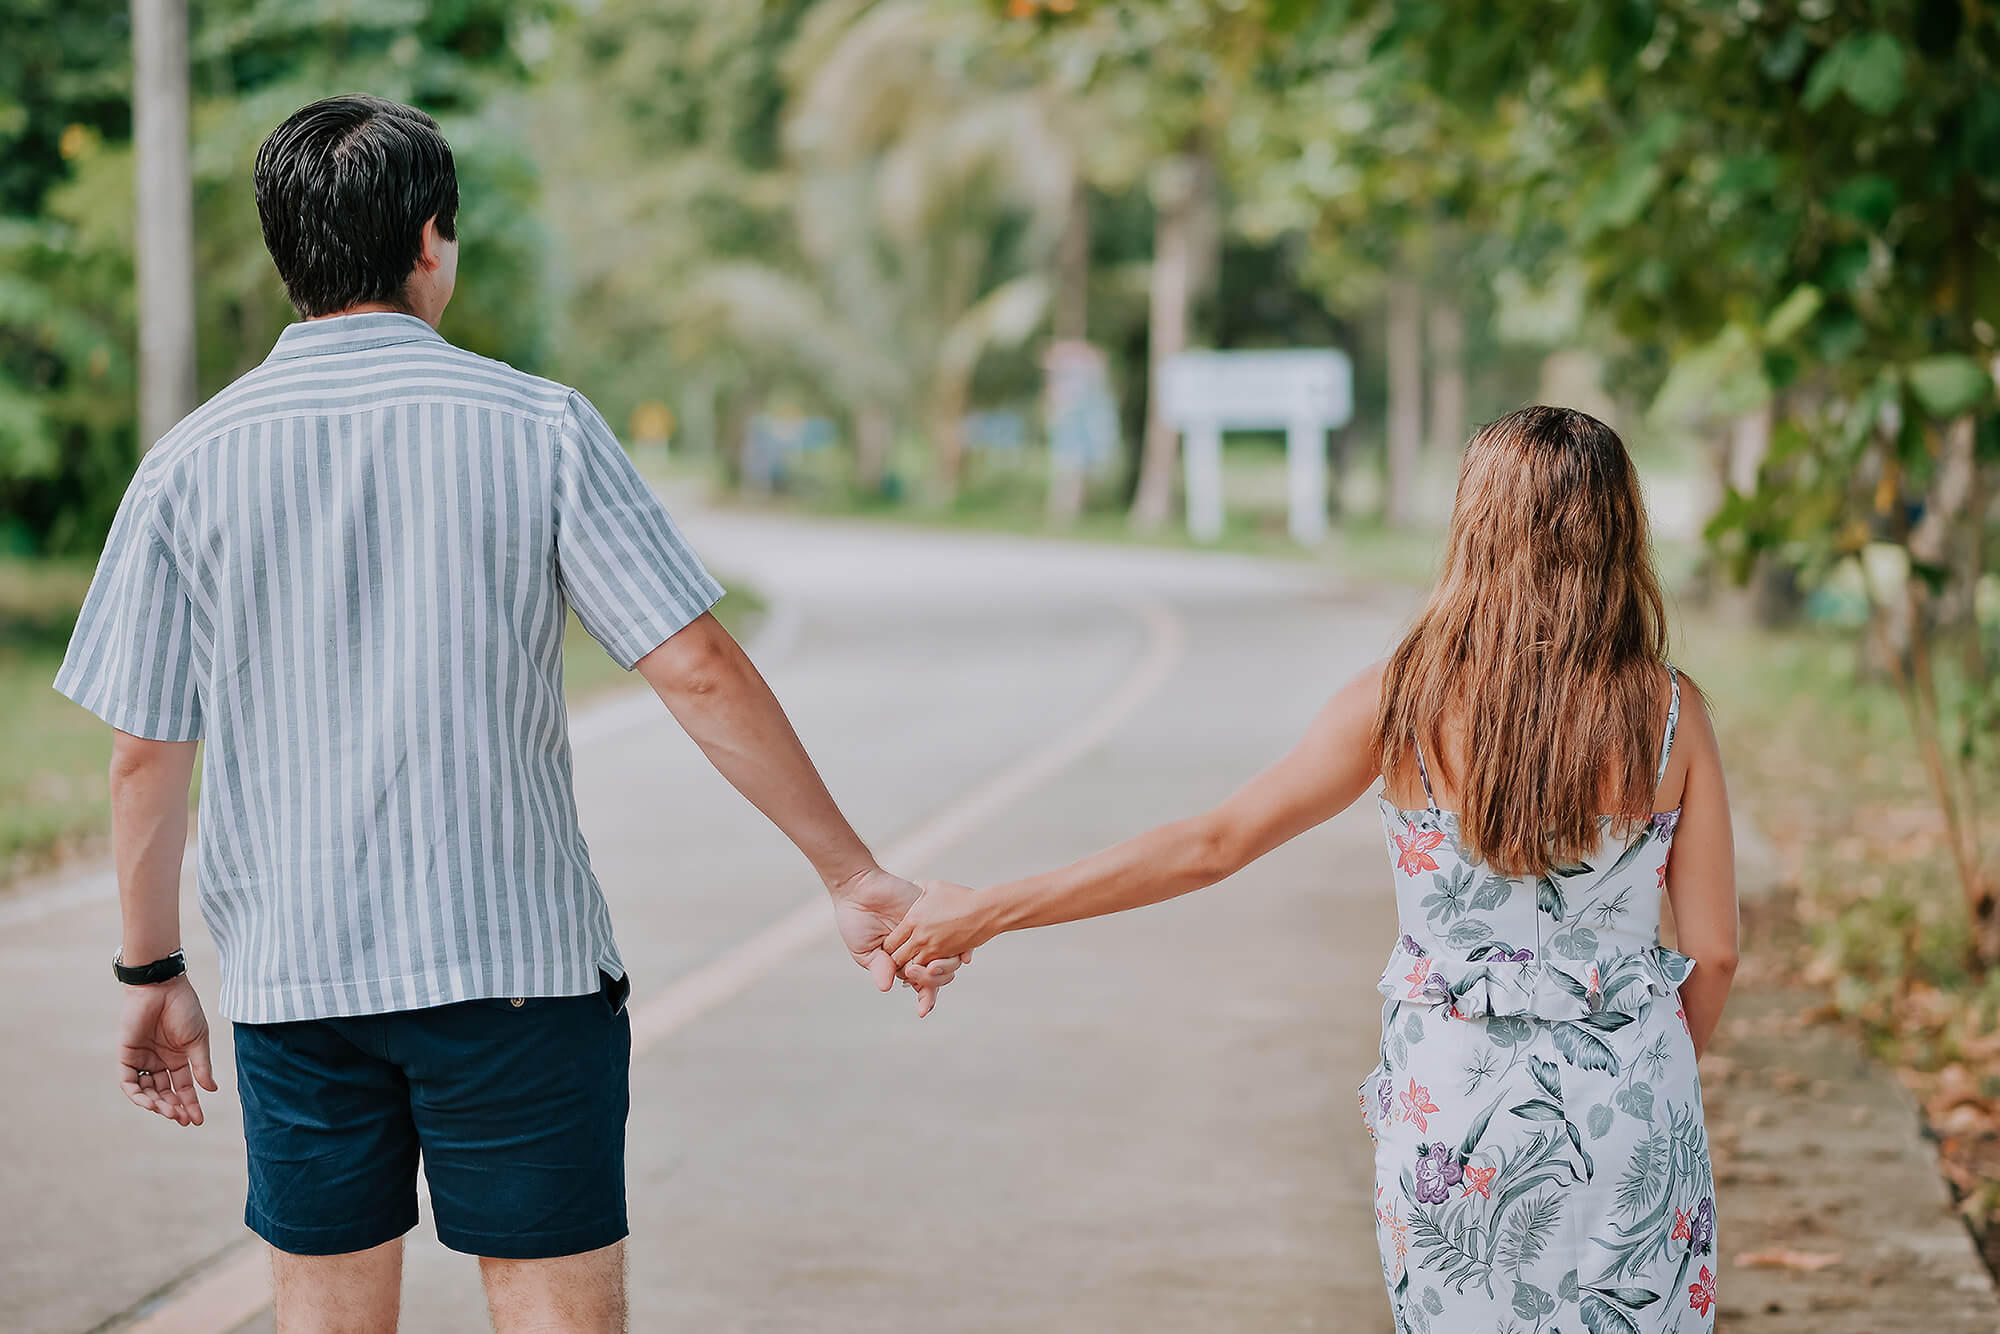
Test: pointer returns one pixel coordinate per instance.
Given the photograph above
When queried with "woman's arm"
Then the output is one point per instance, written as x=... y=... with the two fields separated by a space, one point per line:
x=1334 y=763
x=1701 y=876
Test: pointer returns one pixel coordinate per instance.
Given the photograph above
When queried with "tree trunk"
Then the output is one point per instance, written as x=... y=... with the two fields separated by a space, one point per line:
x=1446 y=332
x=1405 y=354
x=1745 y=441
x=949 y=400
x=1166 y=332
x=1951 y=767
x=1070 y=325
x=951 y=385
x=164 y=197
x=1749 y=442
x=732 y=421
x=874 y=434
x=1070 y=321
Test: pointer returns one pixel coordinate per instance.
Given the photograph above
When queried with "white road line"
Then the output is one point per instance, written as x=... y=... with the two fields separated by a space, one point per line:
x=238 y=1287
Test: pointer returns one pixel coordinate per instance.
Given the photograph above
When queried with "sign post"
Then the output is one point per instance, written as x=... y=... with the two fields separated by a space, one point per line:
x=1305 y=392
x=1201 y=458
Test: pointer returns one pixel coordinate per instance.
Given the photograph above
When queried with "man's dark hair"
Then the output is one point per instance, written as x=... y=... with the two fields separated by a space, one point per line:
x=344 y=188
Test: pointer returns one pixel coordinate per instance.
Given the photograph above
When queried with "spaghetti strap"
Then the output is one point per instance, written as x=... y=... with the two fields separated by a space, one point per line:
x=1424 y=773
x=1673 y=721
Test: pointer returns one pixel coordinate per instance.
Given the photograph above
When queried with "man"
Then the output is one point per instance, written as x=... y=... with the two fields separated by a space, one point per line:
x=349 y=574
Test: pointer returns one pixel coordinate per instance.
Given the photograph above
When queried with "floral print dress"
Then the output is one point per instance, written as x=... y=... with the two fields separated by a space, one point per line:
x=1541 y=1163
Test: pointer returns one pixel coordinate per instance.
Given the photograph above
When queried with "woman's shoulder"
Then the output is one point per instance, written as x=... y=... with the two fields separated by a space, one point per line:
x=1691 y=699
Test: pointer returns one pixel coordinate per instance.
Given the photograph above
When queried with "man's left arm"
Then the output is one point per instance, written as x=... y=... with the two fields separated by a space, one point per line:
x=131 y=661
x=162 y=1033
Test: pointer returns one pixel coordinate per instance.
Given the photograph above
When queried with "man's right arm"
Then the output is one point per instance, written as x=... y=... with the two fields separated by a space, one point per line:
x=718 y=696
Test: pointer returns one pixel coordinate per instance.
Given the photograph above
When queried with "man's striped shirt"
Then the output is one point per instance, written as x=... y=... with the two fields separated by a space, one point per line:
x=348 y=573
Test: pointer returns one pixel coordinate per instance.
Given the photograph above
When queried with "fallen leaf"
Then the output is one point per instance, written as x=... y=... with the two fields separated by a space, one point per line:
x=1779 y=1257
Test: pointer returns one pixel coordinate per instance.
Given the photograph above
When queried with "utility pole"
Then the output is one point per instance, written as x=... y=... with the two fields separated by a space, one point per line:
x=163 y=237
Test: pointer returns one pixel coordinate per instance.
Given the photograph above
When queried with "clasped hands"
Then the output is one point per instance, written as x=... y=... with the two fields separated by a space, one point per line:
x=900 y=931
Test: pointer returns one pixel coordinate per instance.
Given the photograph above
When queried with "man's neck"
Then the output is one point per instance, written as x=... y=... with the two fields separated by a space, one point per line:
x=377 y=308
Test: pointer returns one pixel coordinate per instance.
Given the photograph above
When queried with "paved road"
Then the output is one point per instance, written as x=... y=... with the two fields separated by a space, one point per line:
x=1143 y=1124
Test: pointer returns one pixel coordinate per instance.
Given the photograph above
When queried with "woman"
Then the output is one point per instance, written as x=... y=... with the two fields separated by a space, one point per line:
x=1541 y=1161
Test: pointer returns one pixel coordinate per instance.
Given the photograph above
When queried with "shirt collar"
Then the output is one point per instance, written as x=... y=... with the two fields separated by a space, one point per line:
x=350 y=333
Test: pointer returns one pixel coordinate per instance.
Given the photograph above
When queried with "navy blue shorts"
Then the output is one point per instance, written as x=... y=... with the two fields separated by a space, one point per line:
x=517 y=1108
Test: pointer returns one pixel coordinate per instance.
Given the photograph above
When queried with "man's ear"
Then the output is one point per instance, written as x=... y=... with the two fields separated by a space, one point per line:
x=432 y=254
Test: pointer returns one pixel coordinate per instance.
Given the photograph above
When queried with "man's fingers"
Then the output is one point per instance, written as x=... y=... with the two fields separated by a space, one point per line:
x=883 y=969
x=204 y=1072
x=965 y=957
x=135 y=1095
x=929 y=974
x=186 y=1101
x=901 y=934
x=905 y=952
x=140 y=1093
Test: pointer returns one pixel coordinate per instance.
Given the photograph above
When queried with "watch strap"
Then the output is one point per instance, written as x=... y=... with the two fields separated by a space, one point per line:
x=147 y=974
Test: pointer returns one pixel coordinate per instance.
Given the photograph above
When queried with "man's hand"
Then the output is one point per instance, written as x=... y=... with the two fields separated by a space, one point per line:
x=867 y=908
x=163 y=1050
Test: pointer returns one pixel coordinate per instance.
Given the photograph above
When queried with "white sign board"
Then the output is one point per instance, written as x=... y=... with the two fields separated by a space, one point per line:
x=1304 y=392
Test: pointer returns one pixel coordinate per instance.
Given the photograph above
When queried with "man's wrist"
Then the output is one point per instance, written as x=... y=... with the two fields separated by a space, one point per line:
x=842 y=883
x=152 y=972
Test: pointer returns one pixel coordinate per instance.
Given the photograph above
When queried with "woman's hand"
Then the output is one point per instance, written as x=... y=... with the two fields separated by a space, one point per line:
x=949 y=921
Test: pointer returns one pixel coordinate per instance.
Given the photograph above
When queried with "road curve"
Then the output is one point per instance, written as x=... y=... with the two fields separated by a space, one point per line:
x=1140 y=1124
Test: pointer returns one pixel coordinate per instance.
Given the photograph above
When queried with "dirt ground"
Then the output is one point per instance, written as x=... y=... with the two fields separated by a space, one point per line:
x=1834 y=1216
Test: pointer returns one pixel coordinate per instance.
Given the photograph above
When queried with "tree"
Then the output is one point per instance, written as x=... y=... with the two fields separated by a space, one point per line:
x=66 y=443
x=1346 y=142
x=1405 y=353
x=916 y=197
x=1161 y=81
x=164 y=232
x=1792 y=210
x=69 y=434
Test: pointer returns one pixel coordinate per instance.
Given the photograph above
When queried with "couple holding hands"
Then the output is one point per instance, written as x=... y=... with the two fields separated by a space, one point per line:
x=349 y=574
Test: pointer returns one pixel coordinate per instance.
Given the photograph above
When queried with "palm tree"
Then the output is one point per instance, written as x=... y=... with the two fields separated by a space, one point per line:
x=908 y=144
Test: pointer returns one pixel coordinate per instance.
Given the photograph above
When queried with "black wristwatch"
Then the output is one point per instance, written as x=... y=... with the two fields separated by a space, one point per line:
x=145 y=975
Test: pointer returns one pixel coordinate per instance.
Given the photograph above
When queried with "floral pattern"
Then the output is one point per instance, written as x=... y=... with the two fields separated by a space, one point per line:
x=1414 y=848
x=1542 y=1164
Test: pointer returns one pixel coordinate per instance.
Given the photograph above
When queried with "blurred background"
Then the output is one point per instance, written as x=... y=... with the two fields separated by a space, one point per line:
x=926 y=263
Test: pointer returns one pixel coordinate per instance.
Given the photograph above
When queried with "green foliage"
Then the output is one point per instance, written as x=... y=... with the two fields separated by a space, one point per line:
x=1787 y=210
x=67 y=434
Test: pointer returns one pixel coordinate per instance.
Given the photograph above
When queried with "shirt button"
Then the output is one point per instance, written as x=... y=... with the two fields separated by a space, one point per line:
x=517 y=1002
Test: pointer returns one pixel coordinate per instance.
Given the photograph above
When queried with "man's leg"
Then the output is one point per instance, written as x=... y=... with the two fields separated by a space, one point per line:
x=576 y=1294
x=356 y=1293
x=333 y=1171
x=520 y=1105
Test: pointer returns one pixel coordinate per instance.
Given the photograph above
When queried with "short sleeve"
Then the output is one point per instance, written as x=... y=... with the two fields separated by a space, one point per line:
x=632 y=578
x=131 y=658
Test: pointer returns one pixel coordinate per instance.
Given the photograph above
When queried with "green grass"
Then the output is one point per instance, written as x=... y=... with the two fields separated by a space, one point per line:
x=52 y=781
x=53 y=790
x=1824 y=759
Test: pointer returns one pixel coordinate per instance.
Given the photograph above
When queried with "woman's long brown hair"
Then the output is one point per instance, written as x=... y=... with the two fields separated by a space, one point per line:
x=1543 y=642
